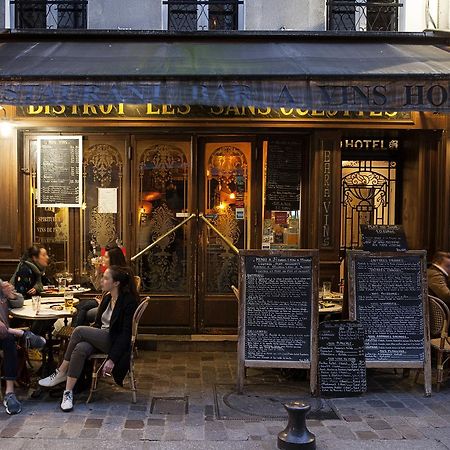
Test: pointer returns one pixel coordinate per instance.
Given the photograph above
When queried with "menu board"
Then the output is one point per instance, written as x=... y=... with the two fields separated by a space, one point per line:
x=342 y=365
x=59 y=171
x=283 y=175
x=389 y=294
x=278 y=308
x=383 y=238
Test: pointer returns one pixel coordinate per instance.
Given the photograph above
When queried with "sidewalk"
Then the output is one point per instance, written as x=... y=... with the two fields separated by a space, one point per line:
x=188 y=401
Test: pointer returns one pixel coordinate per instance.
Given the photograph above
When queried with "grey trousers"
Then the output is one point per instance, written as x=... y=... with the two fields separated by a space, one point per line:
x=83 y=342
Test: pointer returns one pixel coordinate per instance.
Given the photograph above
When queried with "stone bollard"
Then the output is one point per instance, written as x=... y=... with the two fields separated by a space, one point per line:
x=296 y=435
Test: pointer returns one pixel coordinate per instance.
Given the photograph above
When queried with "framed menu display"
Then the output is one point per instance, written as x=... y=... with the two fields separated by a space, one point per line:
x=59 y=171
x=278 y=311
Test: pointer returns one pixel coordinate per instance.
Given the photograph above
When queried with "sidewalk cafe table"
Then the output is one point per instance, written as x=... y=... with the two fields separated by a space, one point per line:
x=51 y=308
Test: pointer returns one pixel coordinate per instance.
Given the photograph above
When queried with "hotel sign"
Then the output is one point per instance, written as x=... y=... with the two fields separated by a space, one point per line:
x=150 y=111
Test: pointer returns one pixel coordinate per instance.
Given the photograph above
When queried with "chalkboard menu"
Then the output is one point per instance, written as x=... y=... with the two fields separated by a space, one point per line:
x=389 y=305
x=383 y=238
x=278 y=308
x=59 y=171
x=342 y=365
x=283 y=175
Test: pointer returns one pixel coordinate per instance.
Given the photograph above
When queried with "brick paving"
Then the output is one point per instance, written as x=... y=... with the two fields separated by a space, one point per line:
x=186 y=400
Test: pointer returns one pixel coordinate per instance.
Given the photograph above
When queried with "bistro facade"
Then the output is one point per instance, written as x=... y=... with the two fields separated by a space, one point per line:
x=229 y=164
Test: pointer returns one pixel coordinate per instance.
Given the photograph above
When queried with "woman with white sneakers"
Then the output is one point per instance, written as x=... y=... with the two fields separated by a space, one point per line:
x=110 y=334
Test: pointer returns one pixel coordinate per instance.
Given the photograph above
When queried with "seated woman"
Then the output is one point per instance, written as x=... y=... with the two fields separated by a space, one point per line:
x=111 y=334
x=9 y=298
x=87 y=309
x=29 y=277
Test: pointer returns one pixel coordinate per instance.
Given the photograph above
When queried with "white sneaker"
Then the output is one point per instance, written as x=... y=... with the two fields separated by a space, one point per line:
x=54 y=379
x=67 y=401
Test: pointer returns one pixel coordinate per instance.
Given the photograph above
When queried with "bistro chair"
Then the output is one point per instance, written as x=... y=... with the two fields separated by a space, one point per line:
x=99 y=359
x=439 y=340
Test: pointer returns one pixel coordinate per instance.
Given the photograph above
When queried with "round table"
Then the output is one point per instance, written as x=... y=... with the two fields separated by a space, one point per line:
x=45 y=312
x=26 y=312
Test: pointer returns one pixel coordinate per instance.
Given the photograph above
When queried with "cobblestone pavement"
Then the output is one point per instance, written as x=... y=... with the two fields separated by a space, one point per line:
x=187 y=401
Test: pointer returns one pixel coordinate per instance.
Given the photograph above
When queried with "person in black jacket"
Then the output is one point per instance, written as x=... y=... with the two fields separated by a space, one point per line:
x=29 y=277
x=110 y=334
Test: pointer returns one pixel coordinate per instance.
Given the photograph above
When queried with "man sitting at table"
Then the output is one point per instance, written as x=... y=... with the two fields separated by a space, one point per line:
x=9 y=298
x=438 y=276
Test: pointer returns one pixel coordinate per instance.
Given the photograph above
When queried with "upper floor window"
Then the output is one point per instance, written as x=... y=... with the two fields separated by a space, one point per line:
x=363 y=15
x=49 y=14
x=193 y=15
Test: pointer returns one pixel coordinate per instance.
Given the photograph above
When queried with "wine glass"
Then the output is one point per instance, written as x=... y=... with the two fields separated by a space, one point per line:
x=69 y=278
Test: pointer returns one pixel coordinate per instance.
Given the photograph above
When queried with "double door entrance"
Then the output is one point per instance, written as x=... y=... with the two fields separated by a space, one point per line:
x=193 y=199
x=181 y=209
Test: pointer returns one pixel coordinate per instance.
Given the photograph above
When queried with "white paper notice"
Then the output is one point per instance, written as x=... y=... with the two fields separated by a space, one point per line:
x=107 y=200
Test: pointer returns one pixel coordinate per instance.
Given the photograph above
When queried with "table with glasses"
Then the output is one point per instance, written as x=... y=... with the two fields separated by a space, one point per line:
x=50 y=308
x=55 y=292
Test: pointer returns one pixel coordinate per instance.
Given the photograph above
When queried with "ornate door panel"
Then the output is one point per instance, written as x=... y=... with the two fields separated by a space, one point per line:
x=162 y=190
x=188 y=272
x=225 y=203
x=105 y=171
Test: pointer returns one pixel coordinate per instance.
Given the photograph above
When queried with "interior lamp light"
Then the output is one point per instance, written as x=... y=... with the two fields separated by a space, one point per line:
x=5 y=125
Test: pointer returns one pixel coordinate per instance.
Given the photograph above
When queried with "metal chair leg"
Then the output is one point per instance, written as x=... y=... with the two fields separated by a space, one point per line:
x=95 y=371
x=132 y=382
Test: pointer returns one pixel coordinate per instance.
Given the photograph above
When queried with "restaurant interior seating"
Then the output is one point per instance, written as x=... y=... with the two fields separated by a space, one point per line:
x=99 y=359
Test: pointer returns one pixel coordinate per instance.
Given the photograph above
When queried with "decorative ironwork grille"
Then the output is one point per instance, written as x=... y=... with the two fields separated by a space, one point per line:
x=193 y=15
x=367 y=197
x=363 y=15
x=44 y=14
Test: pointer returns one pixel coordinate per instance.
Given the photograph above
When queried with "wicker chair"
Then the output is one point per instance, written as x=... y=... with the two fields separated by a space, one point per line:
x=99 y=359
x=439 y=340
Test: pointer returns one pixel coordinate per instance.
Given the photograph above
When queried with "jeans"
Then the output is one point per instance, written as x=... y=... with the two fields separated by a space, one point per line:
x=83 y=342
x=8 y=345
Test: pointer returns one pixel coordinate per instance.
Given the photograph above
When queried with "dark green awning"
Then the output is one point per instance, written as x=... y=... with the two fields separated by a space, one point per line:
x=321 y=71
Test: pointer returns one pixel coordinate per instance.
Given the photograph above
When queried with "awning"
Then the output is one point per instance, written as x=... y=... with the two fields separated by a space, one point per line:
x=308 y=71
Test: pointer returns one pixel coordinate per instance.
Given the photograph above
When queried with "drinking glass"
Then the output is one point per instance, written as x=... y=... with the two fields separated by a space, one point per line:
x=68 y=300
x=326 y=288
x=36 y=303
x=62 y=285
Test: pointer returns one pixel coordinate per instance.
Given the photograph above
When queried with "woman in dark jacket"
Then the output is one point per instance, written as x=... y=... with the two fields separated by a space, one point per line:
x=28 y=279
x=111 y=334
x=87 y=309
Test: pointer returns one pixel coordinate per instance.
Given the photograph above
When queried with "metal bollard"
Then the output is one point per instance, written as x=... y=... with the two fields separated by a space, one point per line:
x=296 y=435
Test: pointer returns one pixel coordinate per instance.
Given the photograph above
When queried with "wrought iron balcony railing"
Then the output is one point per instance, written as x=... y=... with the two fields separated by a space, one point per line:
x=44 y=14
x=192 y=15
x=363 y=15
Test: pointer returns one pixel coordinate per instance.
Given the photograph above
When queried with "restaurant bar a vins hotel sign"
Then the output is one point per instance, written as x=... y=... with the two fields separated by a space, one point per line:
x=361 y=95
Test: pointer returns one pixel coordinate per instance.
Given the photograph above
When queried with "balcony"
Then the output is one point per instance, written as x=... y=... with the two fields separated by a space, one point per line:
x=380 y=15
x=49 y=14
x=202 y=15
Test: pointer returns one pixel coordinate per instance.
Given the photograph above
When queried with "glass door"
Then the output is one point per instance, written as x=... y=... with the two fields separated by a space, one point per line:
x=163 y=237
x=225 y=221
x=193 y=216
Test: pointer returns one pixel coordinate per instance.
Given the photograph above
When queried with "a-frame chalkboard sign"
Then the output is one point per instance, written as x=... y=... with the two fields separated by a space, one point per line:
x=388 y=297
x=278 y=311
